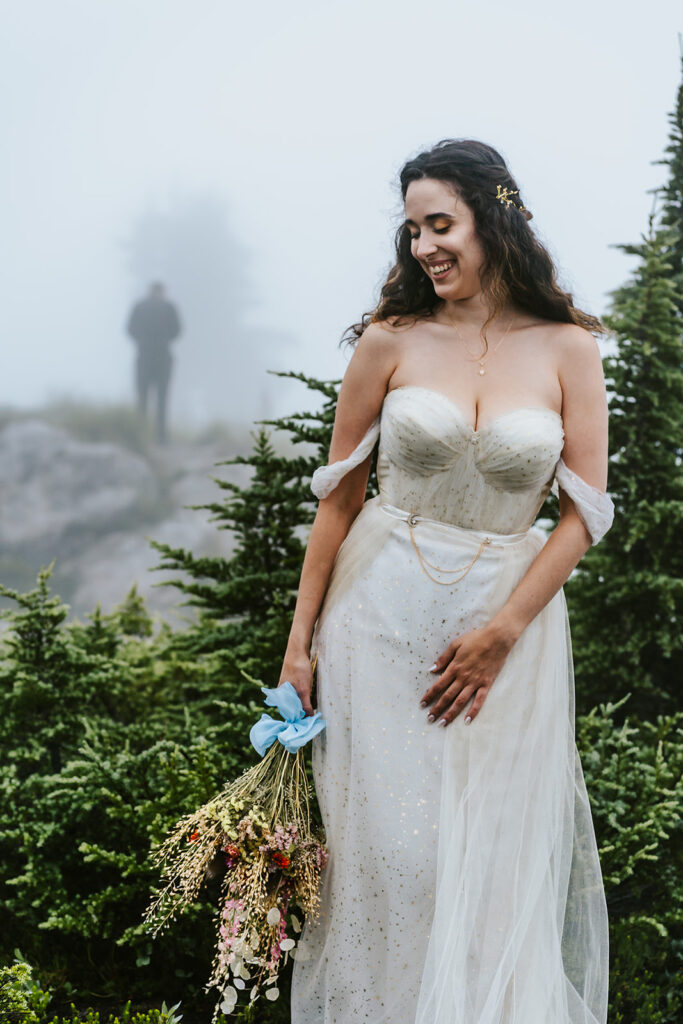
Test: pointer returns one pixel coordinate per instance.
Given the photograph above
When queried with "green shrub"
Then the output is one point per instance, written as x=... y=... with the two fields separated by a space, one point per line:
x=107 y=738
x=166 y=1015
x=21 y=997
x=634 y=775
x=24 y=1001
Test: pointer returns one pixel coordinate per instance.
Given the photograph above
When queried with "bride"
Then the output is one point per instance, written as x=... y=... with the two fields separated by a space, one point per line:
x=463 y=885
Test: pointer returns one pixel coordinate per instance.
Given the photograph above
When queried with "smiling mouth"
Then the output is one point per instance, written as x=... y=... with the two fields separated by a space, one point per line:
x=439 y=270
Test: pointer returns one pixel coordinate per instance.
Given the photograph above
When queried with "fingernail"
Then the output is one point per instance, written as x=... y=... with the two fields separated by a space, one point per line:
x=442 y=721
x=423 y=703
x=468 y=720
x=433 y=668
x=430 y=718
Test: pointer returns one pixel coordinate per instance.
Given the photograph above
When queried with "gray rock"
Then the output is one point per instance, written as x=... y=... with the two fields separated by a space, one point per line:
x=55 y=490
x=93 y=508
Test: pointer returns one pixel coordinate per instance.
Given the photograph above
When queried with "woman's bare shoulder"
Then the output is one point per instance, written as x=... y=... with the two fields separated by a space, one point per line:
x=383 y=337
x=579 y=362
x=576 y=350
x=376 y=354
x=402 y=324
x=571 y=338
x=393 y=333
x=563 y=342
x=392 y=326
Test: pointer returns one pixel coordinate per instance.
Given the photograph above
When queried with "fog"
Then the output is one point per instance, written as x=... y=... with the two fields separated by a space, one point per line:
x=247 y=156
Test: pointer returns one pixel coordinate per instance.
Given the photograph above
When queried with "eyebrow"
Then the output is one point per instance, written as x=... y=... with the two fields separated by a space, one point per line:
x=430 y=216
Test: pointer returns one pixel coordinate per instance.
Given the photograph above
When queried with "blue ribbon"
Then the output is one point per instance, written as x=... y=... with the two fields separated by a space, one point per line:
x=298 y=727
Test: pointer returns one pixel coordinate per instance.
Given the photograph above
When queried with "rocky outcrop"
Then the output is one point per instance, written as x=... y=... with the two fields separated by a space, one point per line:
x=93 y=507
x=56 y=490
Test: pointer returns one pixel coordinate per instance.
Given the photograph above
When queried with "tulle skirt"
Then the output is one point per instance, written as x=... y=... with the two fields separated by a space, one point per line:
x=463 y=885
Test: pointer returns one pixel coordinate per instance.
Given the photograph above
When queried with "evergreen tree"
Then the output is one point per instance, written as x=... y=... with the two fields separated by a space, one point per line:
x=246 y=602
x=48 y=677
x=625 y=599
x=672 y=191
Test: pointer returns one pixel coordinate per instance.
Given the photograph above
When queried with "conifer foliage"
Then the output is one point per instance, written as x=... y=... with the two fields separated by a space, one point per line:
x=97 y=759
x=246 y=603
x=625 y=602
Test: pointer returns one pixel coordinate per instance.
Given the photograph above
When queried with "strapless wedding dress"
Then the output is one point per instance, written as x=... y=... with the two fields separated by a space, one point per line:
x=463 y=885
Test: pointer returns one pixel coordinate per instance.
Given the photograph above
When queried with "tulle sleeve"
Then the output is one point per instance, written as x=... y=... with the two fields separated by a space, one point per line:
x=326 y=478
x=593 y=505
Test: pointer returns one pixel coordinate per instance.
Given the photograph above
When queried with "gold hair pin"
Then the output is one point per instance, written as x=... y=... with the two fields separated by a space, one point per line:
x=505 y=193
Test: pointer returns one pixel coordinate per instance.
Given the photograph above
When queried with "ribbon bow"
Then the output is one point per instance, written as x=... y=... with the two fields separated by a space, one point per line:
x=298 y=727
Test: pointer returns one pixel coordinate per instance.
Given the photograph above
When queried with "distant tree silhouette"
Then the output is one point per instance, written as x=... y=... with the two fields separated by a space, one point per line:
x=221 y=367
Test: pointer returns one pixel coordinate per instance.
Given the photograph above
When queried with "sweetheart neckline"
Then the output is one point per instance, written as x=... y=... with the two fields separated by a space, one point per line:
x=461 y=415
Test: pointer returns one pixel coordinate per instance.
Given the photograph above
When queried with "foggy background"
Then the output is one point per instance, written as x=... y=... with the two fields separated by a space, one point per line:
x=247 y=155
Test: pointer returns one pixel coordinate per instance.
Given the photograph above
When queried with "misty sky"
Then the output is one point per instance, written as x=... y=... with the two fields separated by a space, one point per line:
x=248 y=155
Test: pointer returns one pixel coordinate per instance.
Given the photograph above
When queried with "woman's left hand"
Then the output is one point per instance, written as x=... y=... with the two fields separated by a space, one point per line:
x=468 y=668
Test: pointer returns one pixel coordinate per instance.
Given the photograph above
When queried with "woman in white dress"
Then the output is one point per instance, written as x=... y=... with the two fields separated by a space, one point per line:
x=463 y=885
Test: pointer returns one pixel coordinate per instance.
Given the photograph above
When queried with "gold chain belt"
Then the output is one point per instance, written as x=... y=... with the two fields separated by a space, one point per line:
x=412 y=519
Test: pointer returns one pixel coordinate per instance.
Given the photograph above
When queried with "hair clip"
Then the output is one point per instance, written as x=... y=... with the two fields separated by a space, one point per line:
x=503 y=196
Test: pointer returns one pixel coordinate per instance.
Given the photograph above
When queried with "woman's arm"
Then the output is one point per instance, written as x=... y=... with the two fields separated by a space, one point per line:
x=470 y=664
x=585 y=421
x=360 y=400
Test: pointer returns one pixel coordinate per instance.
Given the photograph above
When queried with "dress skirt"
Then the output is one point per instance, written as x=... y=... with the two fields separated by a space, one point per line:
x=463 y=884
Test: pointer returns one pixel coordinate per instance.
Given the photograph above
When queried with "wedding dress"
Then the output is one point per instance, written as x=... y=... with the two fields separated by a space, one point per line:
x=463 y=884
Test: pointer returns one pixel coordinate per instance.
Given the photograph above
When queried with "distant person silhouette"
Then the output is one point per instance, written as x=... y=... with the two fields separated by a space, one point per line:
x=153 y=324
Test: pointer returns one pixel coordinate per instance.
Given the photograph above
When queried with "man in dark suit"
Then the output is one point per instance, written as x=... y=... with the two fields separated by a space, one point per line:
x=153 y=324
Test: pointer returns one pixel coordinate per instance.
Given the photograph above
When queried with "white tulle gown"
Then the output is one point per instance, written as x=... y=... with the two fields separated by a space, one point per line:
x=463 y=885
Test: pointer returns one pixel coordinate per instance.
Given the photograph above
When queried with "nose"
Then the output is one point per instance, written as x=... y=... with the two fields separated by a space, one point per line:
x=425 y=247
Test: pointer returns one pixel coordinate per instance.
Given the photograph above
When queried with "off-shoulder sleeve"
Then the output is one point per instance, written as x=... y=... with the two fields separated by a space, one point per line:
x=593 y=505
x=326 y=478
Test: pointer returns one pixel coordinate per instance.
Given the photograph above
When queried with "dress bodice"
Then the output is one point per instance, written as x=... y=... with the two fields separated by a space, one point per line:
x=432 y=462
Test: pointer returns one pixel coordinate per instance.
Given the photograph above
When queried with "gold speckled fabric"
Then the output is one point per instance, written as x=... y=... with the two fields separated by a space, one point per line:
x=463 y=885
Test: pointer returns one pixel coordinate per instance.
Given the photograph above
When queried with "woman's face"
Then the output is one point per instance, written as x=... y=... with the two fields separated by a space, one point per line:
x=444 y=240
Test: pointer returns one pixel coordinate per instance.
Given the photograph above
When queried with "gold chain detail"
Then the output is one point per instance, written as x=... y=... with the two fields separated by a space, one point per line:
x=424 y=563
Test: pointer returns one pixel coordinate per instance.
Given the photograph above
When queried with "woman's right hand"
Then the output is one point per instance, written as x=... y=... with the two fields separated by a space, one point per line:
x=297 y=670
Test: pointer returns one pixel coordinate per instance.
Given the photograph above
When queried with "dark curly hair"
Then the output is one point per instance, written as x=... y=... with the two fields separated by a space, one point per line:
x=516 y=266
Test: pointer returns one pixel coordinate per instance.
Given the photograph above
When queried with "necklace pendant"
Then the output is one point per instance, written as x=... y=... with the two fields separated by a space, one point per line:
x=482 y=371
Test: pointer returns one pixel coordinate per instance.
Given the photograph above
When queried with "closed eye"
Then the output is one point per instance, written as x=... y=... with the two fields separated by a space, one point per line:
x=438 y=231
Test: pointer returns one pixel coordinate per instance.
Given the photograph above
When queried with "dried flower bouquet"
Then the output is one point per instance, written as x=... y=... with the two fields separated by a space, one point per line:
x=258 y=830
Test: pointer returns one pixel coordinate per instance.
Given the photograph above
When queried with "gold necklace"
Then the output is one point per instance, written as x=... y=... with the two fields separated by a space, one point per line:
x=482 y=371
